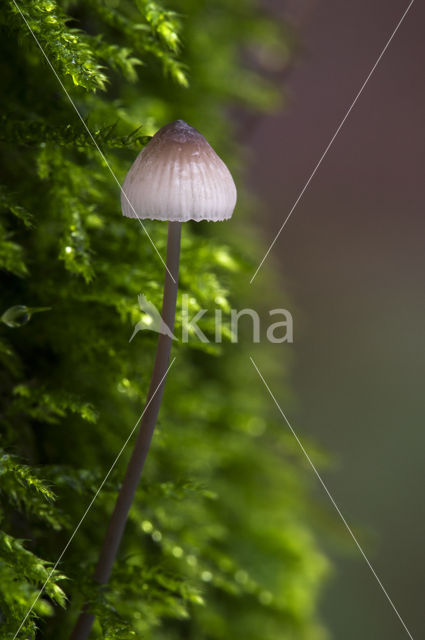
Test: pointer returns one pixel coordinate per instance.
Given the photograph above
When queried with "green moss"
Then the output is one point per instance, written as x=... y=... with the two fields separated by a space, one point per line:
x=218 y=544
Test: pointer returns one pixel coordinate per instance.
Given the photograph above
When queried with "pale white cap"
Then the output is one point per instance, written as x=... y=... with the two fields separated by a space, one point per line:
x=178 y=176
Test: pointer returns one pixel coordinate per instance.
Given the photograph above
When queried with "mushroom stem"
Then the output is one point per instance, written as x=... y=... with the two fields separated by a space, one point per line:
x=135 y=466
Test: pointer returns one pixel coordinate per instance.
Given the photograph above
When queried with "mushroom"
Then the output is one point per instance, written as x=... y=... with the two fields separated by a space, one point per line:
x=178 y=177
x=175 y=178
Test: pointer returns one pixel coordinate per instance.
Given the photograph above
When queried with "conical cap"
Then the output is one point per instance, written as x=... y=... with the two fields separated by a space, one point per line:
x=178 y=177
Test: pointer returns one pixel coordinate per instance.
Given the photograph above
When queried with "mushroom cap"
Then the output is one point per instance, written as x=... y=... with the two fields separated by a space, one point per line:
x=177 y=177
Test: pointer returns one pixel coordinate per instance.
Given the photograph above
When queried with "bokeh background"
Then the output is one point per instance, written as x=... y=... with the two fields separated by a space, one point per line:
x=353 y=259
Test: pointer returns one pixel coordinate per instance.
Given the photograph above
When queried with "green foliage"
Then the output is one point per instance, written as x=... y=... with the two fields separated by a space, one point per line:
x=23 y=573
x=219 y=544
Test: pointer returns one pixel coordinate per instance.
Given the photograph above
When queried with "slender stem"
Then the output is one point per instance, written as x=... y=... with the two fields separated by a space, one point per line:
x=153 y=402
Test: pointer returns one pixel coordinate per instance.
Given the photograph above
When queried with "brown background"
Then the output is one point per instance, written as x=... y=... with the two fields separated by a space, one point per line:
x=353 y=259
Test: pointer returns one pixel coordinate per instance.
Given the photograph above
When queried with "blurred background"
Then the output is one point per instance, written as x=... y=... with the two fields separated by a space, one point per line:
x=352 y=256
